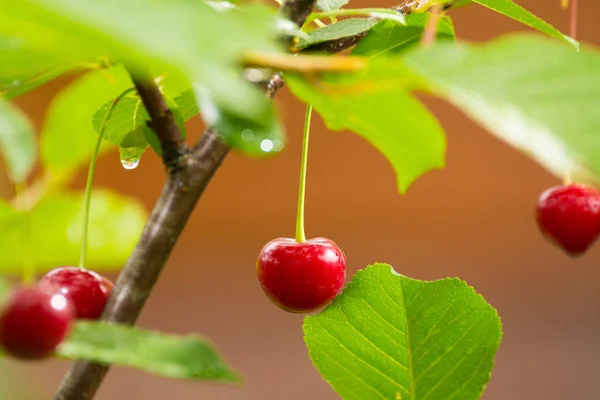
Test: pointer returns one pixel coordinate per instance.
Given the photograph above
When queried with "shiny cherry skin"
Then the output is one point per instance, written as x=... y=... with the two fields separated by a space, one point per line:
x=87 y=290
x=301 y=277
x=34 y=323
x=569 y=216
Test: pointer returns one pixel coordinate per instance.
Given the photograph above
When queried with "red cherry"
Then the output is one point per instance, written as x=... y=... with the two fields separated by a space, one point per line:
x=569 y=216
x=34 y=323
x=87 y=290
x=301 y=277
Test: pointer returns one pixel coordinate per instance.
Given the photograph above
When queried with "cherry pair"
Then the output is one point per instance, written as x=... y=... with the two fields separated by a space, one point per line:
x=35 y=320
x=569 y=216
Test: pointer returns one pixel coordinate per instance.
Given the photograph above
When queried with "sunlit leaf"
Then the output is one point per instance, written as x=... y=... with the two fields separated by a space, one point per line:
x=535 y=93
x=512 y=10
x=387 y=336
x=392 y=120
x=172 y=35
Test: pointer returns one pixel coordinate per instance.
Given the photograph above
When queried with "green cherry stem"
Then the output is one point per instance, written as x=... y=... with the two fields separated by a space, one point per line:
x=88 y=188
x=300 y=237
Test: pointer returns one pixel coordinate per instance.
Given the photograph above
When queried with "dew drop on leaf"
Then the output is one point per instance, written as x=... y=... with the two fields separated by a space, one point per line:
x=130 y=163
x=130 y=156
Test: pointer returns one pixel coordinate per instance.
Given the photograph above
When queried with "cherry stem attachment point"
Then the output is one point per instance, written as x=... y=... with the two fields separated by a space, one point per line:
x=300 y=236
x=88 y=188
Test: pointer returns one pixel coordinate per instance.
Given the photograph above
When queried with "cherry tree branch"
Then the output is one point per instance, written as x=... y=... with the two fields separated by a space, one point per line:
x=188 y=173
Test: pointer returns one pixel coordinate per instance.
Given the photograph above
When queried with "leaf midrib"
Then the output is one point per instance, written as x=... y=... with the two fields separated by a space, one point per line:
x=408 y=349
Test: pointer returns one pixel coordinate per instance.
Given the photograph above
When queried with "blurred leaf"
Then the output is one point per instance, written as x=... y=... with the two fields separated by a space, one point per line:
x=55 y=226
x=259 y=137
x=172 y=35
x=182 y=357
x=535 y=93
x=24 y=67
x=17 y=142
x=393 y=121
x=387 y=336
x=68 y=136
x=331 y=5
x=344 y=28
x=388 y=36
x=512 y=10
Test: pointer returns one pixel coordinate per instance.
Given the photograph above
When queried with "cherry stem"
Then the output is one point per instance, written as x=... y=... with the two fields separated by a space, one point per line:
x=300 y=237
x=28 y=266
x=90 y=178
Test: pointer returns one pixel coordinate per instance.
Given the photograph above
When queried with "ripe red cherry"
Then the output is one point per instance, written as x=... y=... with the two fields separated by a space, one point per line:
x=87 y=290
x=569 y=216
x=33 y=323
x=301 y=277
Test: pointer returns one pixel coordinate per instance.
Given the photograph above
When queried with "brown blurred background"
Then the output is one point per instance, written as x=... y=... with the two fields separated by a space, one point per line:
x=474 y=220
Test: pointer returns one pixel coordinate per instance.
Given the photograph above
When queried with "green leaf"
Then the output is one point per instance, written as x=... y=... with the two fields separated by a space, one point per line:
x=399 y=126
x=127 y=127
x=182 y=357
x=167 y=35
x=387 y=336
x=331 y=5
x=262 y=136
x=17 y=142
x=54 y=228
x=68 y=136
x=512 y=10
x=535 y=93
x=344 y=28
x=388 y=36
x=24 y=67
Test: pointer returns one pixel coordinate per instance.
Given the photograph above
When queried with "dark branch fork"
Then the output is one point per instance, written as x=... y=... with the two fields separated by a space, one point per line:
x=188 y=173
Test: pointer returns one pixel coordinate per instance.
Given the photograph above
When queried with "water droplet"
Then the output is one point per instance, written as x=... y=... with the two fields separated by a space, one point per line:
x=266 y=145
x=130 y=163
x=130 y=156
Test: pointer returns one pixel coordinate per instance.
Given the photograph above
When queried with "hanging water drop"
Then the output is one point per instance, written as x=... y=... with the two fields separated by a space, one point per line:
x=130 y=163
x=130 y=156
